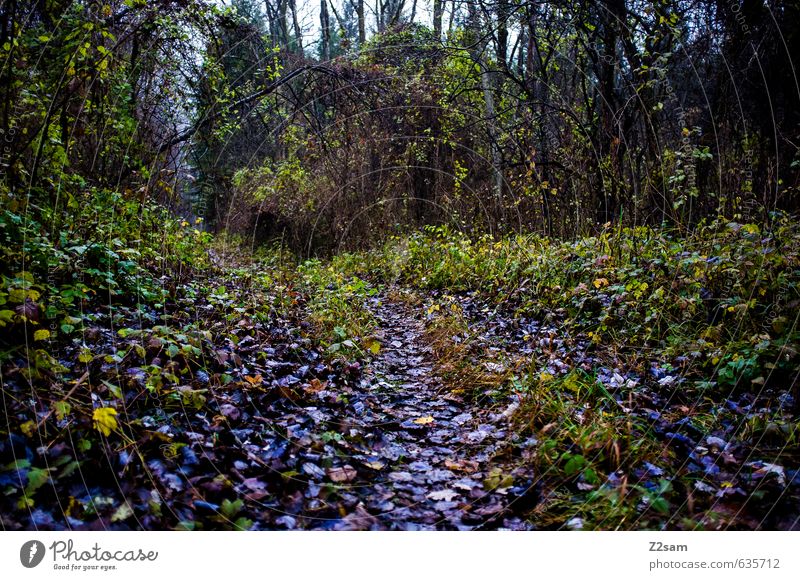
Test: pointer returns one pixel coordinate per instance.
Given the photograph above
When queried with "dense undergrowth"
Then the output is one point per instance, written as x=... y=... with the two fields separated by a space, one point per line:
x=124 y=329
x=658 y=374
x=724 y=302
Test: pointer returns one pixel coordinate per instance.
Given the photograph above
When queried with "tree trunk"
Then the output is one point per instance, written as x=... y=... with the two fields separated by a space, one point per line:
x=283 y=6
x=325 y=26
x=502 y=33
x=438 y=9
x=362 y=29
x=298 y=33
x=488 y=100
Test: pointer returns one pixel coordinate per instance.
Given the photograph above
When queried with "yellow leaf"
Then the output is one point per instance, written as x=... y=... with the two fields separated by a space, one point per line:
x=373 y=345
x=600 y=282
x=41 y=334
x=424 y=420
x=545 y=377
x=256 y=380
x=28 y=428
x=105 y=420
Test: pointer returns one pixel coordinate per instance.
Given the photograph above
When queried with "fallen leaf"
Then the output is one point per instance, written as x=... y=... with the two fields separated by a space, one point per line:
x=461 y=465
x=230 y=411
x=765 y=469
x=424 y=420
x=123 y=512
x=28 y=428
x=342 y=474
x=373 y=345
x=443 y=495
x=314 y=386
x=105 y=420
x=376 y=465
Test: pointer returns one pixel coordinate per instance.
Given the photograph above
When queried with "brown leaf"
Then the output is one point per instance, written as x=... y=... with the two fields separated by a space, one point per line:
x=342 y=474
x=314 y=386
x=461 y=465
x=376 y=465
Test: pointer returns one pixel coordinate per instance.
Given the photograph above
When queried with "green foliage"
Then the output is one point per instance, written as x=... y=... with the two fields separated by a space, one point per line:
x=336 y=305
x=711 y=292
x=107 y=248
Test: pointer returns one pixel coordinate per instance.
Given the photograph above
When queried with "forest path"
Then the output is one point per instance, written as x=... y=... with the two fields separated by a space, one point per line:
x=437 y=456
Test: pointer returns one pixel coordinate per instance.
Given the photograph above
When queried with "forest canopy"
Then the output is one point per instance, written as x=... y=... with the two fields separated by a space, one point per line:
x=341 y=123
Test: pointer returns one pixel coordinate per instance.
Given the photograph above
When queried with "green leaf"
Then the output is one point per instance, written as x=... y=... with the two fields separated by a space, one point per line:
x=113 y=389
x=660 y=504
x=62 y=409
x=574 y=464
x=37 y=478
x=243 y=524
x=17 y=465
x=231 y=508
x=7 y=317
x=185 y=526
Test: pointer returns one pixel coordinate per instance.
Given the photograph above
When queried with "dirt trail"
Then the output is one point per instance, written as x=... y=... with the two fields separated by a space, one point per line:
x=436 y=457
